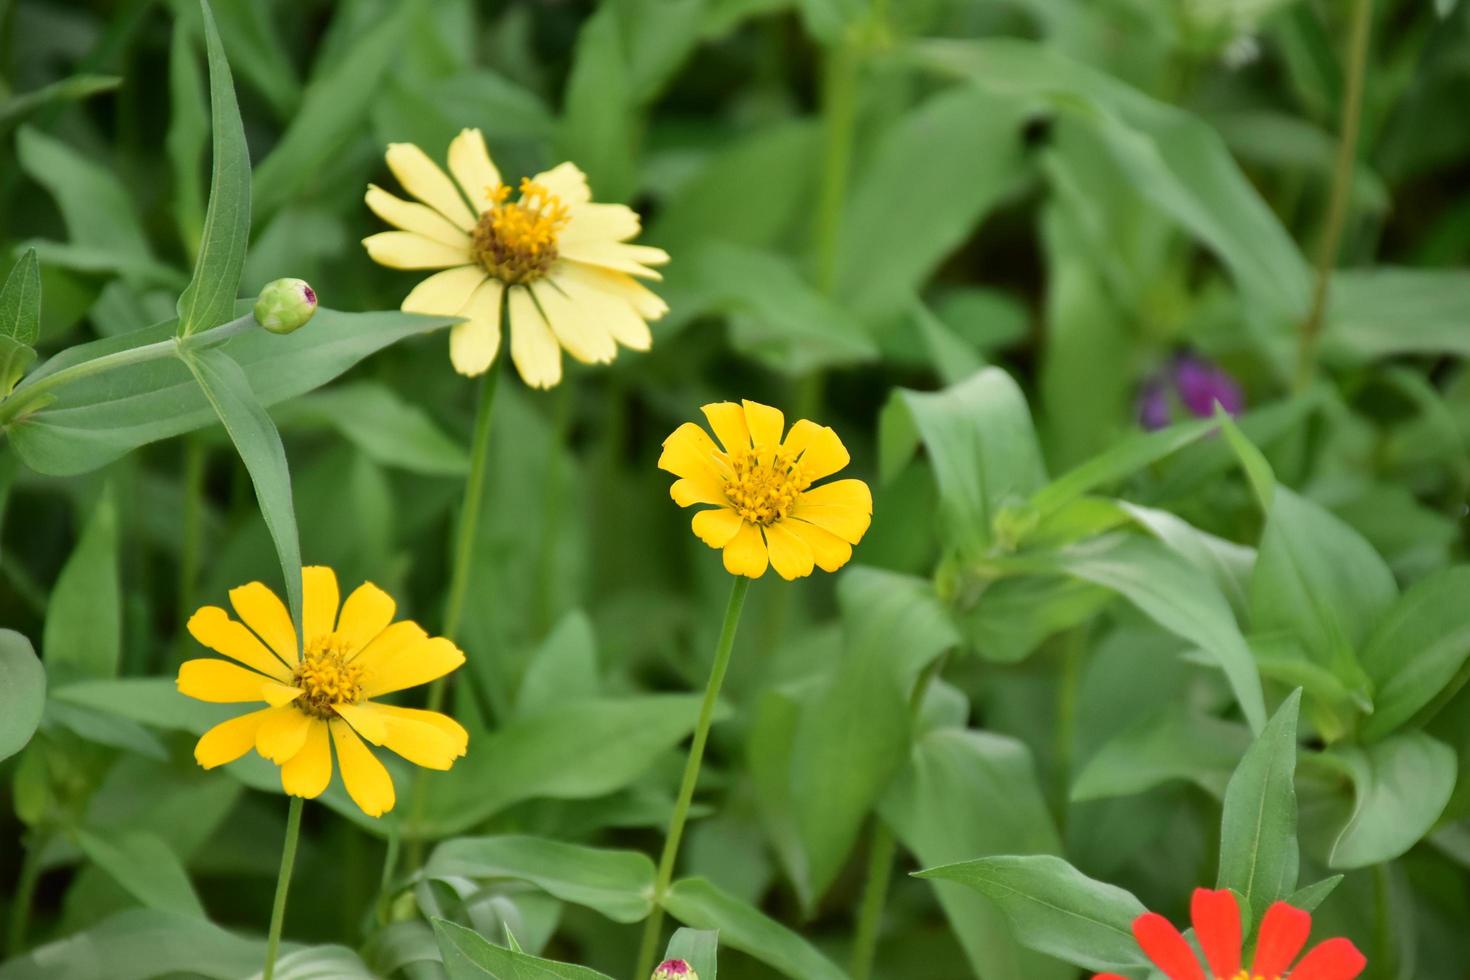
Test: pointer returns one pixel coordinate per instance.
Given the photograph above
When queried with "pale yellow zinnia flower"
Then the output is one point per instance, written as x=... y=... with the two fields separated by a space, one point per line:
x=560 y=266
x=765 y=507
x=324 y=697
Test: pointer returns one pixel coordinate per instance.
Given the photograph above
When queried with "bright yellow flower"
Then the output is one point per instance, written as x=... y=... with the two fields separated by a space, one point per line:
x=561 y=266
x=766 y=508
x=324 y=697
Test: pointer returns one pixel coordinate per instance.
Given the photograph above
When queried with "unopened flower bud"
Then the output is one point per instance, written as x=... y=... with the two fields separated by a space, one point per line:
x=675 y=970
x=285 y=305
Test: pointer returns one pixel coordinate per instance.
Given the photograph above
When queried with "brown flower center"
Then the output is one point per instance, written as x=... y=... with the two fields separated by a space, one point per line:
x=764 y=486
x=516 y=241
x=326 y=676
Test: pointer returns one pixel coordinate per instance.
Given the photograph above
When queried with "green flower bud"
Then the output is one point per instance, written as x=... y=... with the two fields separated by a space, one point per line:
x=675 y=970
x=285 y=305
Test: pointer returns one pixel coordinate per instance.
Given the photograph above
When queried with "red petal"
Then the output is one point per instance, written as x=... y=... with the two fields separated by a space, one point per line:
x=1163 y=944
x=1216 y=918
x=1283 y=934
x=1335 y=959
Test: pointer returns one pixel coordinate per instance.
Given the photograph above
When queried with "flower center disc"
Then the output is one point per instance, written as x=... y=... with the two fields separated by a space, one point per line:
x=326 y=677
x=516 y=242
x=763 y=491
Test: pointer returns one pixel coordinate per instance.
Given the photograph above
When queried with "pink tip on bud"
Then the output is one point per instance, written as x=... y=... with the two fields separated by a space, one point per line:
x=675 y=970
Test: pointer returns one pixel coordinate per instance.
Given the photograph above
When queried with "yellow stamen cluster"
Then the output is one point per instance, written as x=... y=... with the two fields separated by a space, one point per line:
x=1246 y=975
x=516 y=242
x=326 y=677
x=764 y=487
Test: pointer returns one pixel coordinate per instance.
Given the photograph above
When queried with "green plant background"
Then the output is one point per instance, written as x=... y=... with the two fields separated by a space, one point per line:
x=1073 y=671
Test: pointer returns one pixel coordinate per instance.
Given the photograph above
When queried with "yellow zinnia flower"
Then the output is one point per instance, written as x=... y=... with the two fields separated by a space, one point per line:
x=560 y=265
x=766 y=508
x=323 y=696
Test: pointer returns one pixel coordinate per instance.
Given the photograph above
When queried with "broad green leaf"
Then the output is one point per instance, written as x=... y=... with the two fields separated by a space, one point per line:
x=188 y=134
x=1313 y=895
x=697 y=947
x=14 y=108
x=953 y=358
x=144 y=866
x=83 y=637
x=259 y=445
x=1383 y=312
x=1012 y=617
x=701 y=904
x=22 y=692
x=1401 y=785
x=153 y=701
x=1259 y=854
x=98 y=419
x=619 y=884
x=97 y=210
x=1417 y=648
x=599 y=126
x=209 y=299
x=1228 y=564
x=1056 y=909
x=320 y=963
x=431 y=112
x=470 y=956
x=578 y=750
x=564 y=667
x=104 y=728
x=1118 y=462
x=390 y=430
x=139 y=944
x=15 y=358
x=1176 y=745
x=20 y=301
x=968 y=794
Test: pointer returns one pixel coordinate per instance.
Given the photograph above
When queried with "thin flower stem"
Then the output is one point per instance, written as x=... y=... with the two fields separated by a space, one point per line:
x=283 y=885
x=1310 y=337
x=192 y=524
x=25 y=895
x=654 y=925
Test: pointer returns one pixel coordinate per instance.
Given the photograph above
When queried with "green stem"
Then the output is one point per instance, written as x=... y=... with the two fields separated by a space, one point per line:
x=653 y=927
x=193 y=523
x=25 y=896
x=881 y=851
x=283 y=885
x=1310 y=337
x=839 y=115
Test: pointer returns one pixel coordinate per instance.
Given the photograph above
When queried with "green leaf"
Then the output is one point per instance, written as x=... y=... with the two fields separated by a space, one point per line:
x=967 y=794
x=84 y=619
x=470 y=956
x=698 y=903
x=153 y=701
x=209 y=299
x=1056 y=909
x=259 y=445
x=20 y=301
x=97 y=419
x=15 y=358
x=96 y=208
x=564 y=667
x=599 y=126
x=619 y=884
x=1313 y=895
x=1259 y=854
x=376 y=419
x=1402 y=785
x=1176 y=745
x=1386 y=312
x=139 y=944
x=1228 y=564
x=697 y=947
x=188 y=133
x=1116 y=463
x=146 y=867
x=72 y=89
x=22 y=692
x=1417 y=648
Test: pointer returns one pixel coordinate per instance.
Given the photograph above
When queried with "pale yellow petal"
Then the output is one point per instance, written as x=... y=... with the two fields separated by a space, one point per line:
x=421 y=220
x=425 y=738
x=366 y=779
x=828 y=550
x=307 y=773
x=220 y=682
x=791 y=557
x=566 y=181
x=365 y=614
x=319 y=601
x=474 y=343
x=282 y=733
x=260 y=609
x=577 y=327
x=533 y=347
x=414 y=665
x=605 y=302
x=746 y=553
x=765 y=423
x=472 y=167
x=422 y=178
x=643 y=300
x=444 y=293
x=728 y=421
x=600 y=222
x=716 y=527
x=407 y=250
x=228 y=740
x=618 y=256
x=820 y=450
x=214 y=628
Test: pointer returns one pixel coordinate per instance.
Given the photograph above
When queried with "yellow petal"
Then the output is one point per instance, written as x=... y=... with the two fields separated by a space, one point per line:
x=728 y=421
x=282 y=733
x=577 y=327
x=690 y=452
x=416 y=218
x=259 y=608
x=533 y=348
x=606 y=302
x=388 y=644
x=600 y=222
x=422 y=178
x=444 y=293
x=307 y=773
x=746 y=553
x=220 y=681
x=363 y=720
x=828 y=550
x=704 y=489
x=716 y=527
x=407 y=250
x=366 y=779
x=451 y=728
x=790 y=555
x=819 y=448
x=629 y=259
x=847 y=523
x=228 y=740
x=853 y=494
x=645 y=302
x=415 y=665
x=319 y=601
x=425 y=738
x=765 y=423
x=566 y=181
x=470 y=163
x=365 y=614
x=214 y=628
x=474 y=344
x=278 y=694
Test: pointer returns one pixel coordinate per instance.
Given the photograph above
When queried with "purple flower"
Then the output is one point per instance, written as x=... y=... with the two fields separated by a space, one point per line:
x=1191 y=383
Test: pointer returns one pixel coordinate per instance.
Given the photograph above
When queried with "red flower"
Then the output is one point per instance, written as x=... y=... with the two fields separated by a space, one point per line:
x=1216 y=918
